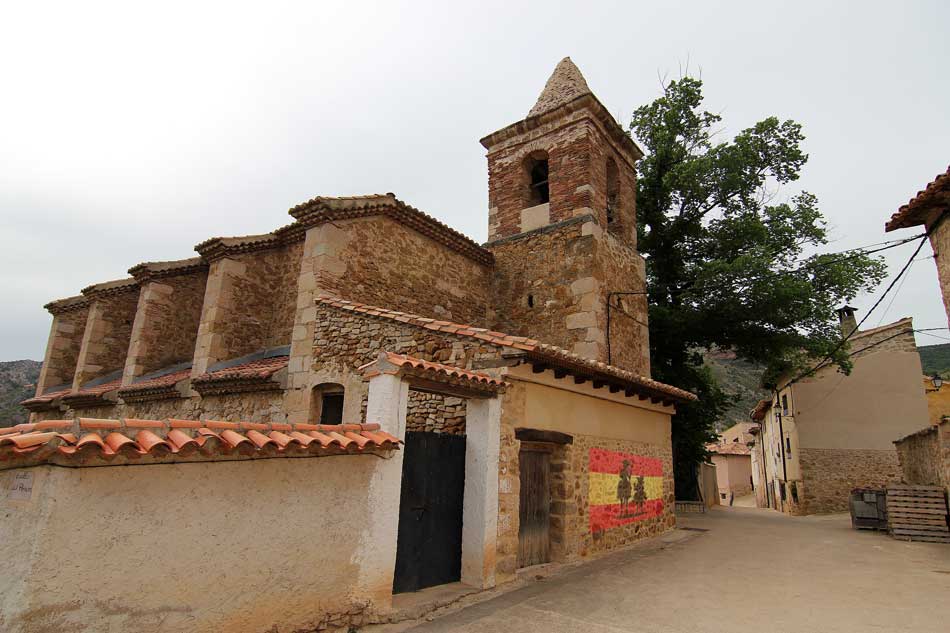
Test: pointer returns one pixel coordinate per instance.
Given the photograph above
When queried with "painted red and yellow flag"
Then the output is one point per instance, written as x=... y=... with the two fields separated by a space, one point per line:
x=623 y=488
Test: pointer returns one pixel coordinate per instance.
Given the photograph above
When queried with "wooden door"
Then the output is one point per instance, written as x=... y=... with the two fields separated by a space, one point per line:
x=534 y=530
x=429 y=541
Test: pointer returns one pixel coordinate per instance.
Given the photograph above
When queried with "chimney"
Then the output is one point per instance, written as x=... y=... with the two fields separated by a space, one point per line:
x=846 y=320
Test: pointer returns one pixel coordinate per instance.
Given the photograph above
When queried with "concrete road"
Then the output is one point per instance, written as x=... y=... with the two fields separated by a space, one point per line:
x=751 y=570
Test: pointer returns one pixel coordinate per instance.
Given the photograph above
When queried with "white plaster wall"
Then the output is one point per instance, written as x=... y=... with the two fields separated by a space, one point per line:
x=270 y=545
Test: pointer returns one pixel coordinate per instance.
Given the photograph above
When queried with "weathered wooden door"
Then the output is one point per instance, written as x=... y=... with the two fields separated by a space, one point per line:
x=534 y=536
x=429 y=542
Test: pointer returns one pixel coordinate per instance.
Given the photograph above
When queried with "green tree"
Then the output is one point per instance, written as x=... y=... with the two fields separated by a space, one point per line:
x=728 y=265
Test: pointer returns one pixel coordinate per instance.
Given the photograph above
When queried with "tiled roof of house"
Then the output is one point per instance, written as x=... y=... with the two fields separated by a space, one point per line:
x=157 y=270
x=96 y=442
x=250 y=376
x=912 y=213
x=436 y=371
x=323 y=208
x=153 y=388
x=533 y=349
x=59 y=306
x=108 y=288
x=761 y=407
x=44 y=401
x=729 y=448
x=93 y=395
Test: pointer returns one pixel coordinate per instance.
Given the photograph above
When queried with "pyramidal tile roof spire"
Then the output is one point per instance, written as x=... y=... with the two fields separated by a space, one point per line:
x=565 y=84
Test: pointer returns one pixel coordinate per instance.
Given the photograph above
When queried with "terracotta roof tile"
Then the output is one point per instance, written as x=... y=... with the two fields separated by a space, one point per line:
x=937 y=191
x=249 y=376
x=92 y=395
x=44 y=401
x=162 y=386
x=534 y=349
x=436 y=371
x=80 y=442
x=729 y=448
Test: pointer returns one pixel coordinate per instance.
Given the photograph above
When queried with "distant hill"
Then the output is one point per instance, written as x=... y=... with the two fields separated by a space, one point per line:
x=737 y=377
x=17 y=383
x=935 y=358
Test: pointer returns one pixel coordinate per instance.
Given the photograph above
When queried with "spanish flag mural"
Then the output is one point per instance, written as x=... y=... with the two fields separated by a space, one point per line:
x=623 y=488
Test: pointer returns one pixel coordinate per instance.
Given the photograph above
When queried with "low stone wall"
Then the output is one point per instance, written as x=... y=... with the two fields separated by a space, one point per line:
x=829 y=475
x=925 y=456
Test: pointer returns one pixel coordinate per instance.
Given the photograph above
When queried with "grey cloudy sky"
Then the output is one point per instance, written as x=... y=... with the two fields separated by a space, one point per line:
x=131 y=132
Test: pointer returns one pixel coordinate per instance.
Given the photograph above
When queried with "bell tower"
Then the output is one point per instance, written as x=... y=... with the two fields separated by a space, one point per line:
x=562 y=225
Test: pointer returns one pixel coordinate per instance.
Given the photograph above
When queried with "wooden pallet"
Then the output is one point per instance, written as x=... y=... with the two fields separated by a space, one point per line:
x=917 y=513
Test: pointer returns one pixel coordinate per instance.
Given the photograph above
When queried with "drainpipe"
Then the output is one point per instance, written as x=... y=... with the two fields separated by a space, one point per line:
x=781 y=443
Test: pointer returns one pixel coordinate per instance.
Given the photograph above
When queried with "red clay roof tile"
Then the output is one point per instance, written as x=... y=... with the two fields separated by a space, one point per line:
x=937 y=191
x=535 y=350
x=157 y=441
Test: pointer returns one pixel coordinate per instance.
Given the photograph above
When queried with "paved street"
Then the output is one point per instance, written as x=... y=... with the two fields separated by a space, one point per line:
x=752 y=570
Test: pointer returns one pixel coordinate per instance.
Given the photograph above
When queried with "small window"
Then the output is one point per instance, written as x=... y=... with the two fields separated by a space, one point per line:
x=331 y=409
x=783 y=491
x=794 y=493
x=530 y=301
x=788 y=446
x=613 y=191
x=537 y=168
x=326 y=404
x=784 y=405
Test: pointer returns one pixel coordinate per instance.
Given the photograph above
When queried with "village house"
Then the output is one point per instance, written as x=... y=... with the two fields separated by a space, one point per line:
x=289 y=429
x=925 y=453
x=829 y=433
x=731 y=456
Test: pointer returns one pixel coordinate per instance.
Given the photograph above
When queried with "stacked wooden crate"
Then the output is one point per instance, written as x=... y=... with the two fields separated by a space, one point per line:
x=917 y=513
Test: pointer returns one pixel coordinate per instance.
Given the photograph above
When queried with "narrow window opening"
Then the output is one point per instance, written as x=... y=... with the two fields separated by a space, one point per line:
x=613 y=191
x=537 y=168
x=788 y=445
x=530 y=301
x=783 y=491
x=326 y=404
x=794 y=492
x=784 y=405
x=331 y=410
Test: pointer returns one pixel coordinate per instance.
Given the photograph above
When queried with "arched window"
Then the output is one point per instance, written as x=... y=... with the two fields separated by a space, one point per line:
x=326 y=404
x=536 y=166
x=613 y=191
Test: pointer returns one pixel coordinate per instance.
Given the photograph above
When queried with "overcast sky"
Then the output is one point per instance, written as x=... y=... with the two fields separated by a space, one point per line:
x=130 y=133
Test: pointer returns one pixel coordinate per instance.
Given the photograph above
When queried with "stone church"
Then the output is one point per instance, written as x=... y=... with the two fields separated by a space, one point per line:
x=489 y=406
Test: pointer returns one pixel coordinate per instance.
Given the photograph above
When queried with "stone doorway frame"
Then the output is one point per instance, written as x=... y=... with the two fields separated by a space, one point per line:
x=390 y=379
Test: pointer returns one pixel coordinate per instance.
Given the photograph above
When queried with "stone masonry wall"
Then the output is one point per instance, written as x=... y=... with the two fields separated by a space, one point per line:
x=435 y=413
x=829 y=475
x=624 y=227
x=571 y=536
x=249 y=305
x=884 y=341
x=106 y=339
x=379 y=261
x=544 y=284
x=265 y=299
x=622 y=269
x=580 y=540
x=940 y=241
x=166 y=324
x=925 y=456
x=569 y=157
x=62 y=349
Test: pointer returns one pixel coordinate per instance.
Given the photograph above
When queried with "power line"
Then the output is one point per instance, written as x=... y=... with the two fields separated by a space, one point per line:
x=844 y=340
